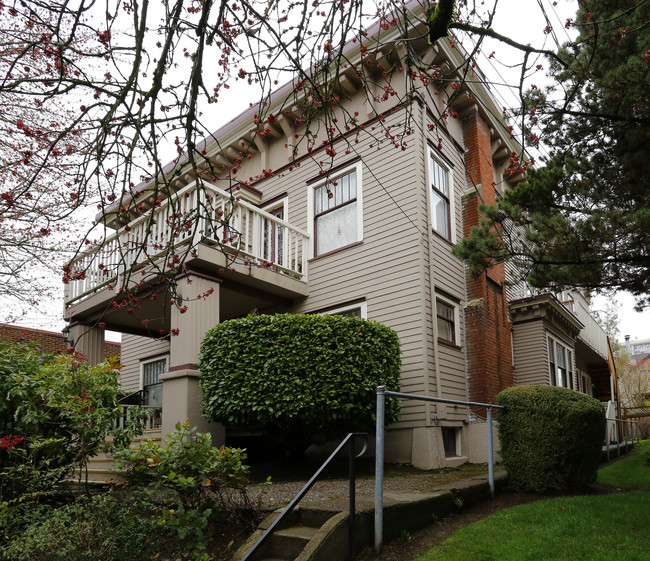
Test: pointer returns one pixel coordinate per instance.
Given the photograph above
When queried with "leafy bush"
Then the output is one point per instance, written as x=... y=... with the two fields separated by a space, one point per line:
x=55 y=414
x=194 y=472
x=104 y=527
x=551 y=437
x=298 y=378
x=194 y=482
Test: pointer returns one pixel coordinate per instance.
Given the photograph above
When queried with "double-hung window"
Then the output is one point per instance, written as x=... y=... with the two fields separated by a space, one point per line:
x=440 y=198
x=151 y=384
x=560 y=359
x=337 y=212
x=446 y=322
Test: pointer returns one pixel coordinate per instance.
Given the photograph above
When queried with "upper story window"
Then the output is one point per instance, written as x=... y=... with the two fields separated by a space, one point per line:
x=337 y=211
x=440 y=198
x=560 y=360
x=447 y=321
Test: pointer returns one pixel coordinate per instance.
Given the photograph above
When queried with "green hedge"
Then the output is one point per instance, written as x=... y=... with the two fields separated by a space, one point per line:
x=299 y=378
x=551 y=437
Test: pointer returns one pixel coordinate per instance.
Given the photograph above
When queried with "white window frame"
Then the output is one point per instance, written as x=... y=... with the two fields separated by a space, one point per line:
x=361 y=306
x=164 y=357
x=569 y=363
x=270 y=208
x=455 y=306
x=311 y=211
x=451 y=235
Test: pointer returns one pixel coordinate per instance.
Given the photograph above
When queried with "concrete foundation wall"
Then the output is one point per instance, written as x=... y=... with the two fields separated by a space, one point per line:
x=477 y=442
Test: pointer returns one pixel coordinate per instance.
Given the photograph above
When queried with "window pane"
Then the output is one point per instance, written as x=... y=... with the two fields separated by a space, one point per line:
x=560 y=356
x=439 y=176
x=336 y=229
x=151 y=371
x=342 y=189
x=440 y=216
x=353 y=313
x=551 y=361
x=445 y=330
x=445 y=322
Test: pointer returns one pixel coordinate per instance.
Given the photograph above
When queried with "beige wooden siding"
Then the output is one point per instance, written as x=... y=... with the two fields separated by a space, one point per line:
x=449 y=276
x=531 y=353
x=135 y=349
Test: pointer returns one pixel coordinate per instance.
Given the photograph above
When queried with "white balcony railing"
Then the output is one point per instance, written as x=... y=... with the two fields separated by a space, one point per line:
x=196 y=214
x=592 y=333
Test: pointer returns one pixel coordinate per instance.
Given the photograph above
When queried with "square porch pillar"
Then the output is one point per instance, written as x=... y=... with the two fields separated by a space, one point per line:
x=196 y=311
x=89 y=341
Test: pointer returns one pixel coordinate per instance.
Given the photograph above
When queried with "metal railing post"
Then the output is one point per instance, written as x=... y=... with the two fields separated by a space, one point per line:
x=379 y=468
x=618 y=439
x=352 y=472
x=490 y=451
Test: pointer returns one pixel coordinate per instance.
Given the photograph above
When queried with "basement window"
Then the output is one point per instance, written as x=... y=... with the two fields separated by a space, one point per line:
x=451 y=441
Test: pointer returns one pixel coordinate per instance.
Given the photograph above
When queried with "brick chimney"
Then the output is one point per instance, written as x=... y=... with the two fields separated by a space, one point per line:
x=489 y=344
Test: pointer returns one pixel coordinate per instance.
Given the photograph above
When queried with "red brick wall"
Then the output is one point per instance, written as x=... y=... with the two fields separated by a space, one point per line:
x=489 y=345
x=47 y=341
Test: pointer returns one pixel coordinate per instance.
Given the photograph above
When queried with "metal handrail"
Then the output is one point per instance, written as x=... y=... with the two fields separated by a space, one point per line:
x=124 y=399
x=351 y=438
x=382 y=393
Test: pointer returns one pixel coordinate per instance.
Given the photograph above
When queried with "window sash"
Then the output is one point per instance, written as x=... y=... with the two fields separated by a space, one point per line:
x=440 y=202
x=151 y=371
x=446 y=322
x=343 y=190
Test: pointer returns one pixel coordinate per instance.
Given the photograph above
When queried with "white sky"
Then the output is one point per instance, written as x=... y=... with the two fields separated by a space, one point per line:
x=523 y=21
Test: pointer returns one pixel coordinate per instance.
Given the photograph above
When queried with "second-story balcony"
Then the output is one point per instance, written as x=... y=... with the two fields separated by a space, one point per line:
x=201 y=226
x=592 y=334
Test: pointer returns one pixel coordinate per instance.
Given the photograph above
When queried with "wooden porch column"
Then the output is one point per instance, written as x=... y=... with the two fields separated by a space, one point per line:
x=89 y=341
x=190 y=319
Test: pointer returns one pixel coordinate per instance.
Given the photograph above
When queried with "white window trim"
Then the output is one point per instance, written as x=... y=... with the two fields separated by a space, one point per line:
x=450 y=182
x=572 y=370
x=148 y=361
x=284 y=203
x=310 y=203
x=362 y=306
x=454 y=306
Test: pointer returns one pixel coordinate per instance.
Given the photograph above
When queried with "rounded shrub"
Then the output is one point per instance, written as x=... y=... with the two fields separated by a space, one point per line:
x=299 y=379
x=551 y=437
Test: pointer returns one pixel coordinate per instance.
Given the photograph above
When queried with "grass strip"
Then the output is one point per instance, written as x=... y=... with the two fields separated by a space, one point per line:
x=631 y=473
x=598 y=528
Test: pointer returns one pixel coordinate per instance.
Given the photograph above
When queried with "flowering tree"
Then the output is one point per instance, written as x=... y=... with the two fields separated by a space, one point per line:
x=99 y=98
x=55 y=414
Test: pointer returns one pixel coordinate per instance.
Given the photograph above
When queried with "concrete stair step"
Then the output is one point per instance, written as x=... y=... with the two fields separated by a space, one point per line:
x=288 y=543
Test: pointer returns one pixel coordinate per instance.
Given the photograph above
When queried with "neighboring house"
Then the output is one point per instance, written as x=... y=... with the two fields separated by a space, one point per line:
x=379 y=248
x=637 y=349
x=46 y=341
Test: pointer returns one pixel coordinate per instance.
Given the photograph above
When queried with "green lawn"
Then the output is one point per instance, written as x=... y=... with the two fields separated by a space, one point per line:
x=593 y=528
x=631 y=473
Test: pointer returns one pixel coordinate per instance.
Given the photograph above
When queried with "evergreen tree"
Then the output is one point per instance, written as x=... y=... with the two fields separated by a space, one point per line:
x=583 y=219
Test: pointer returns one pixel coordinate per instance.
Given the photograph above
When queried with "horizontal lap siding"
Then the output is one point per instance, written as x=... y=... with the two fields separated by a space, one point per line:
x=531 y=353
x=386 y=268
x=449 y=276
x=135 y=349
